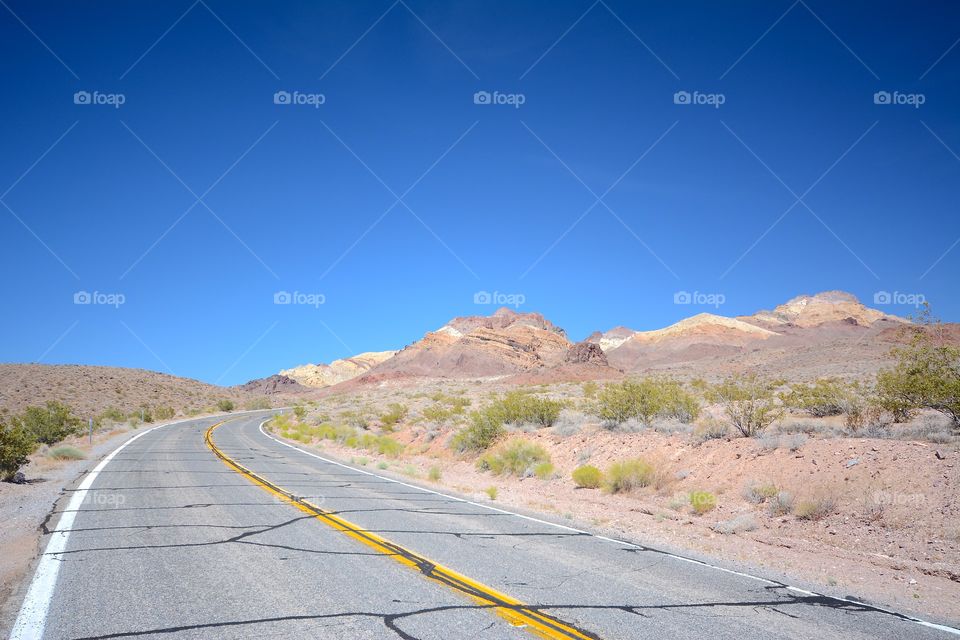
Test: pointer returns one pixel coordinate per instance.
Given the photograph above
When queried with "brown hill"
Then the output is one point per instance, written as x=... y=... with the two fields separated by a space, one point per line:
x=324 y=375
x=272 y=385
x=477 y=346
x=89 y=390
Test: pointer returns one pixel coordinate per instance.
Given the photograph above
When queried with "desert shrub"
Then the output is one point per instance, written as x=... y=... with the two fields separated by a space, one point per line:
x=434 y=473
x=16 y=445
x=780 y=504
x=642 y=400
x=711 y=429
x=815 y=508
x=357 y=419
x=163 y=412
x=748 y=401
x=225 y=405
x=50 y=424
x=702 y=501
x=491 y=492
x=382 y=465
x=257 y=403
x=925 y=376
x=437 y=414
x=517 y=407
x=300 y=411
x=111 y=414
x=387 y=446
x=618 y=402
x=544 y=470
x=759 y=493
x=737 y=524
x=482 y=432
x=627 y=475
x=589 y=389
x=66 y=453
x=825 y=397
x=394 y=414
x=588 y=477
x=568 y=423
x=517 y=457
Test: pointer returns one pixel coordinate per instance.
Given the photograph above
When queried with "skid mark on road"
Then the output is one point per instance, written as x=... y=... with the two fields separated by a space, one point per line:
x=514 y=611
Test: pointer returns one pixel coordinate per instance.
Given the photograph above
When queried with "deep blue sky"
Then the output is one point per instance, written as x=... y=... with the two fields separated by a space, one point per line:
x=494 y=199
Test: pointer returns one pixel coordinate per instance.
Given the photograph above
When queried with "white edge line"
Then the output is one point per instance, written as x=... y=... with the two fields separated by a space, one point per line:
x=32 y=618
x=902 y=616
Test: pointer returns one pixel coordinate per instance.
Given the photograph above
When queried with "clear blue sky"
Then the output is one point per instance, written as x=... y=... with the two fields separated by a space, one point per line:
x=199 y=198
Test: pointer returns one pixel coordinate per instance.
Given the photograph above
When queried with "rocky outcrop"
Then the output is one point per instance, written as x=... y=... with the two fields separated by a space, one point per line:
x=324 y=375
x=272 y=385
x=479 y=346
x=586 y=353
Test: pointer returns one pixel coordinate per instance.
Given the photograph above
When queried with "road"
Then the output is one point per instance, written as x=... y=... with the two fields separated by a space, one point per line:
x=193 y=532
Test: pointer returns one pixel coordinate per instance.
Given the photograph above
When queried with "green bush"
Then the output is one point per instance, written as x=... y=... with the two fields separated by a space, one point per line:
x=825 y=397
x=163 y=412
x=517 y=457
x=16 y=445
x=544 y=470
x=643 y=400
x=66 y=453
x=300 y=411
x=628 y=475
x=395 y=413
x=926 y=375
x=223 y=405
x=518 y=407
x=434 y=474
x=702 y=502
x=482 y=432
x=50 y=424
x=588 y=477
x=749 y=402
x=388 y=447
x=112 y=414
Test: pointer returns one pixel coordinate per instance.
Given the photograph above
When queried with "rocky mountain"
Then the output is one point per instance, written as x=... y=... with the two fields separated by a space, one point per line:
x=475 y=346
x=801 y=337
x=272 y=385
x=324 y=375
x=811 y=311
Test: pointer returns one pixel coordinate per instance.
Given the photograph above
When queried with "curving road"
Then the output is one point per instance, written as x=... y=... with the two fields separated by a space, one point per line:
x=193 y=532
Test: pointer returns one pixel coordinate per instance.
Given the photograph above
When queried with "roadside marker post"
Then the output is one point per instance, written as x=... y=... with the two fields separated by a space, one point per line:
x=91 y=431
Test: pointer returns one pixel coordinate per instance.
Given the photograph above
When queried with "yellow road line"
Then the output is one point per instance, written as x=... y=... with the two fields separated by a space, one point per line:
x=511 y=609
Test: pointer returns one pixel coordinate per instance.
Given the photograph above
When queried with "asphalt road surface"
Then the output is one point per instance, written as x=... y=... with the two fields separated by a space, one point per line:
x=193 y=532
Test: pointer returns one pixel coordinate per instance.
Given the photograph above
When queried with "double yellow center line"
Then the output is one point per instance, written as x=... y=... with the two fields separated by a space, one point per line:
x=511 y=609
